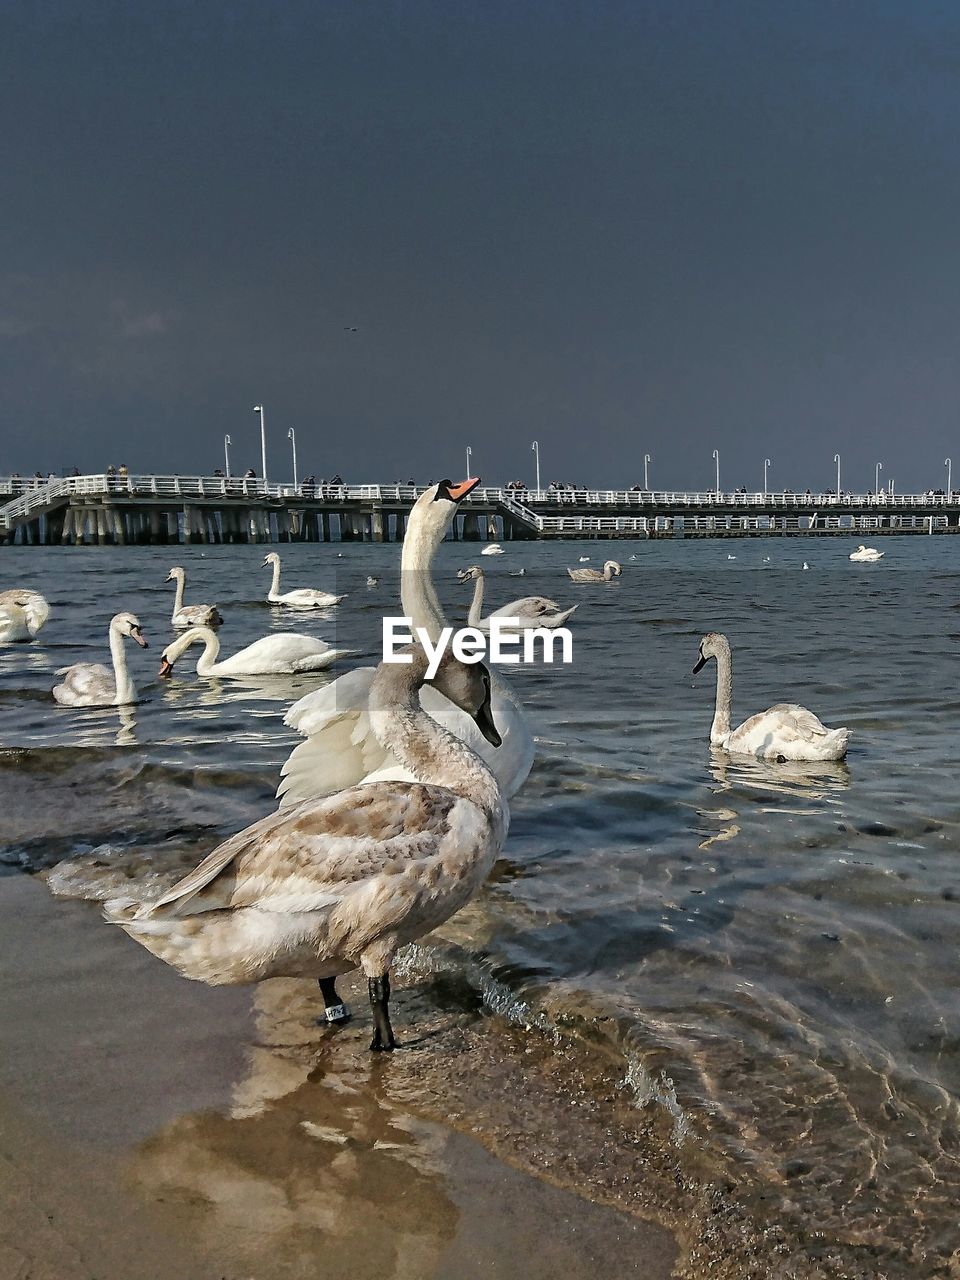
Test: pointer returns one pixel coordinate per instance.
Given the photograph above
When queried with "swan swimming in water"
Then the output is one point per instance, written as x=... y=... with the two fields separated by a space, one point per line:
x=340 y=883
x=341 y=747
x=88 y=684
x=494 y=549
x=283 y=654
x=610 y=570
x=13 y=624
x=532 y=611
x=866 y=554
x=35 y=609
x=191 y=615
x=303 y=597
x=783 y=732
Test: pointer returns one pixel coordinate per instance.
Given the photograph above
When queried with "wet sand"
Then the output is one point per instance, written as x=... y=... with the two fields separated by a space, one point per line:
x=152 y=1127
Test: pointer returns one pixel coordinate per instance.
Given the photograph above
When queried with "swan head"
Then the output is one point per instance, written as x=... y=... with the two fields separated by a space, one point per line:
x=465 y=575
x=176 y=574
x=468 y=687
x=270 y=558
x=614 y=568
x=436 y=505
x=128 y=624
x=711 y=646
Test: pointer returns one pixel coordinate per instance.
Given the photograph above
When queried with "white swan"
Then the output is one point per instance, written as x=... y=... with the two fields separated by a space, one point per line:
x=191 y=615
x=784 y=732
x=494 y=549
x=303 y=598
x=516 y=573
x=532 y=611
x=865 y=554
x=89 y=684
x=35 y=608
x=372 y=581
x=340 y=883
x=13 y=624
x=584 y=559
x=341 y=747
x=282 y=654
x=805 y=565
x=610 y=570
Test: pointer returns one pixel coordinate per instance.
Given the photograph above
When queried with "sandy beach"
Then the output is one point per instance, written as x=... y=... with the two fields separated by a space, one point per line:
x=153 y=1127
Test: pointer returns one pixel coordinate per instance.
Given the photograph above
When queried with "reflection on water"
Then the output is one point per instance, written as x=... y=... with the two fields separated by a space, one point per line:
x=313 y=1171
x=779 y=942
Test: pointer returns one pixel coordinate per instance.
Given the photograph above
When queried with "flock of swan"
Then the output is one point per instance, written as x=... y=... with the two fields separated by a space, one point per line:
x=393 y=808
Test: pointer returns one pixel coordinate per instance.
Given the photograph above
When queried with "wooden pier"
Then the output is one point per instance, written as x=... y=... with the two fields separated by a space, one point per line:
x=162 y=510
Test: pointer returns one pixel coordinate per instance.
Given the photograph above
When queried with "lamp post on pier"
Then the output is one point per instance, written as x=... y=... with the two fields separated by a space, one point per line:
x=469 y=456
x=646 y=474
x=766 y=465
x=716 y=458
x=258 y=408
x=292 y=437
x=536 y=449
x=876 y=478
x=948 y=463
x=227 y=442
x=836 y=458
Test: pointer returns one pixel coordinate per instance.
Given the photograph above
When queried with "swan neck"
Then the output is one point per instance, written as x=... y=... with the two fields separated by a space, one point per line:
x=125 y=691
x=178 y=602
x=721 y=715
x=418 y=597
x=275 y=589
x=473 y=617
x=211 y=647
x=432 y=754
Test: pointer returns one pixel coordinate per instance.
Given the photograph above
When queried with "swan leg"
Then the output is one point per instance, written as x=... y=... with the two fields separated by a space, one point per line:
x=335 y=1011
x=379 y=989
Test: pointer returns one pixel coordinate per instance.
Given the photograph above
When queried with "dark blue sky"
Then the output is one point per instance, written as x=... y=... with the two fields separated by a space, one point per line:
x=617 y=228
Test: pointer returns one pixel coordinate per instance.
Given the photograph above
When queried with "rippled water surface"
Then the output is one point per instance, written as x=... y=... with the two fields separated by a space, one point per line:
x=773 y=949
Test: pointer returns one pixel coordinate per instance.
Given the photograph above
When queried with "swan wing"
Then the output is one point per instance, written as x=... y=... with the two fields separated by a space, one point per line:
x=313 y=855
x=34 y=606
x=84 y=681
x=790 y=731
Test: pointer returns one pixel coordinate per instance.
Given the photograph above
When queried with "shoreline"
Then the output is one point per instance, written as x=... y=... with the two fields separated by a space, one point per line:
x=152 y=1126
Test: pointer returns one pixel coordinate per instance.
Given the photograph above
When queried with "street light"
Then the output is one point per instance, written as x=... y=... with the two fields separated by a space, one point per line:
x=876 y=478
x=766 y=464
x=836 y=458
x=947 y=462
x=536 y=449
x=646 y=475
x=227 y=442
x=258 y=408
x=469 y=456
x=292 y=437
x=716 y=458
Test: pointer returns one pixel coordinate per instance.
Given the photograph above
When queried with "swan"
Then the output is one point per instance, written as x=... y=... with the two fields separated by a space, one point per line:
x=191 y=615
x=805 y=565
x=342 y=882
x=88 y=684
x=35 y=608
x=584 y=559
x=372 y=581
x=341 y=747
x=303 y=598
x=494 y=549
x=610 y=570
x=866 y=553
x=784 y=732
x=13 y=624
x=731 y=557
x=282 y=654
x=532 y=611
x=516 y=573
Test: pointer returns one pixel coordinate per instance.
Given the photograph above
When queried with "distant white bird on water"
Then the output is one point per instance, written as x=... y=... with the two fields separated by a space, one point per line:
x=304 y=598
x=517 y=573
x=805 y=565
x=731 y=557
x=372 y=581
x=610 y=570
x=494 y=549
x=866 y=554
x=584 y=559
x=783 y=732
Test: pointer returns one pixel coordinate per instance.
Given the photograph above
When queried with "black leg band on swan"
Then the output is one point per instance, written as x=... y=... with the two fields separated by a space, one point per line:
x=379 y=989
x=335 y=1011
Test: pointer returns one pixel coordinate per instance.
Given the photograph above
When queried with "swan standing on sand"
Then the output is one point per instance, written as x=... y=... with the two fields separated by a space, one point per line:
x=340 y=883
x=303 y=598
x=784 y=732
x=35 y=608
x=610 y=570
x=865 y=554
x=533 y=611
x=341 y=747
x=283 y=654
x=494 y=549
x=191 y=615
x=88 y=684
